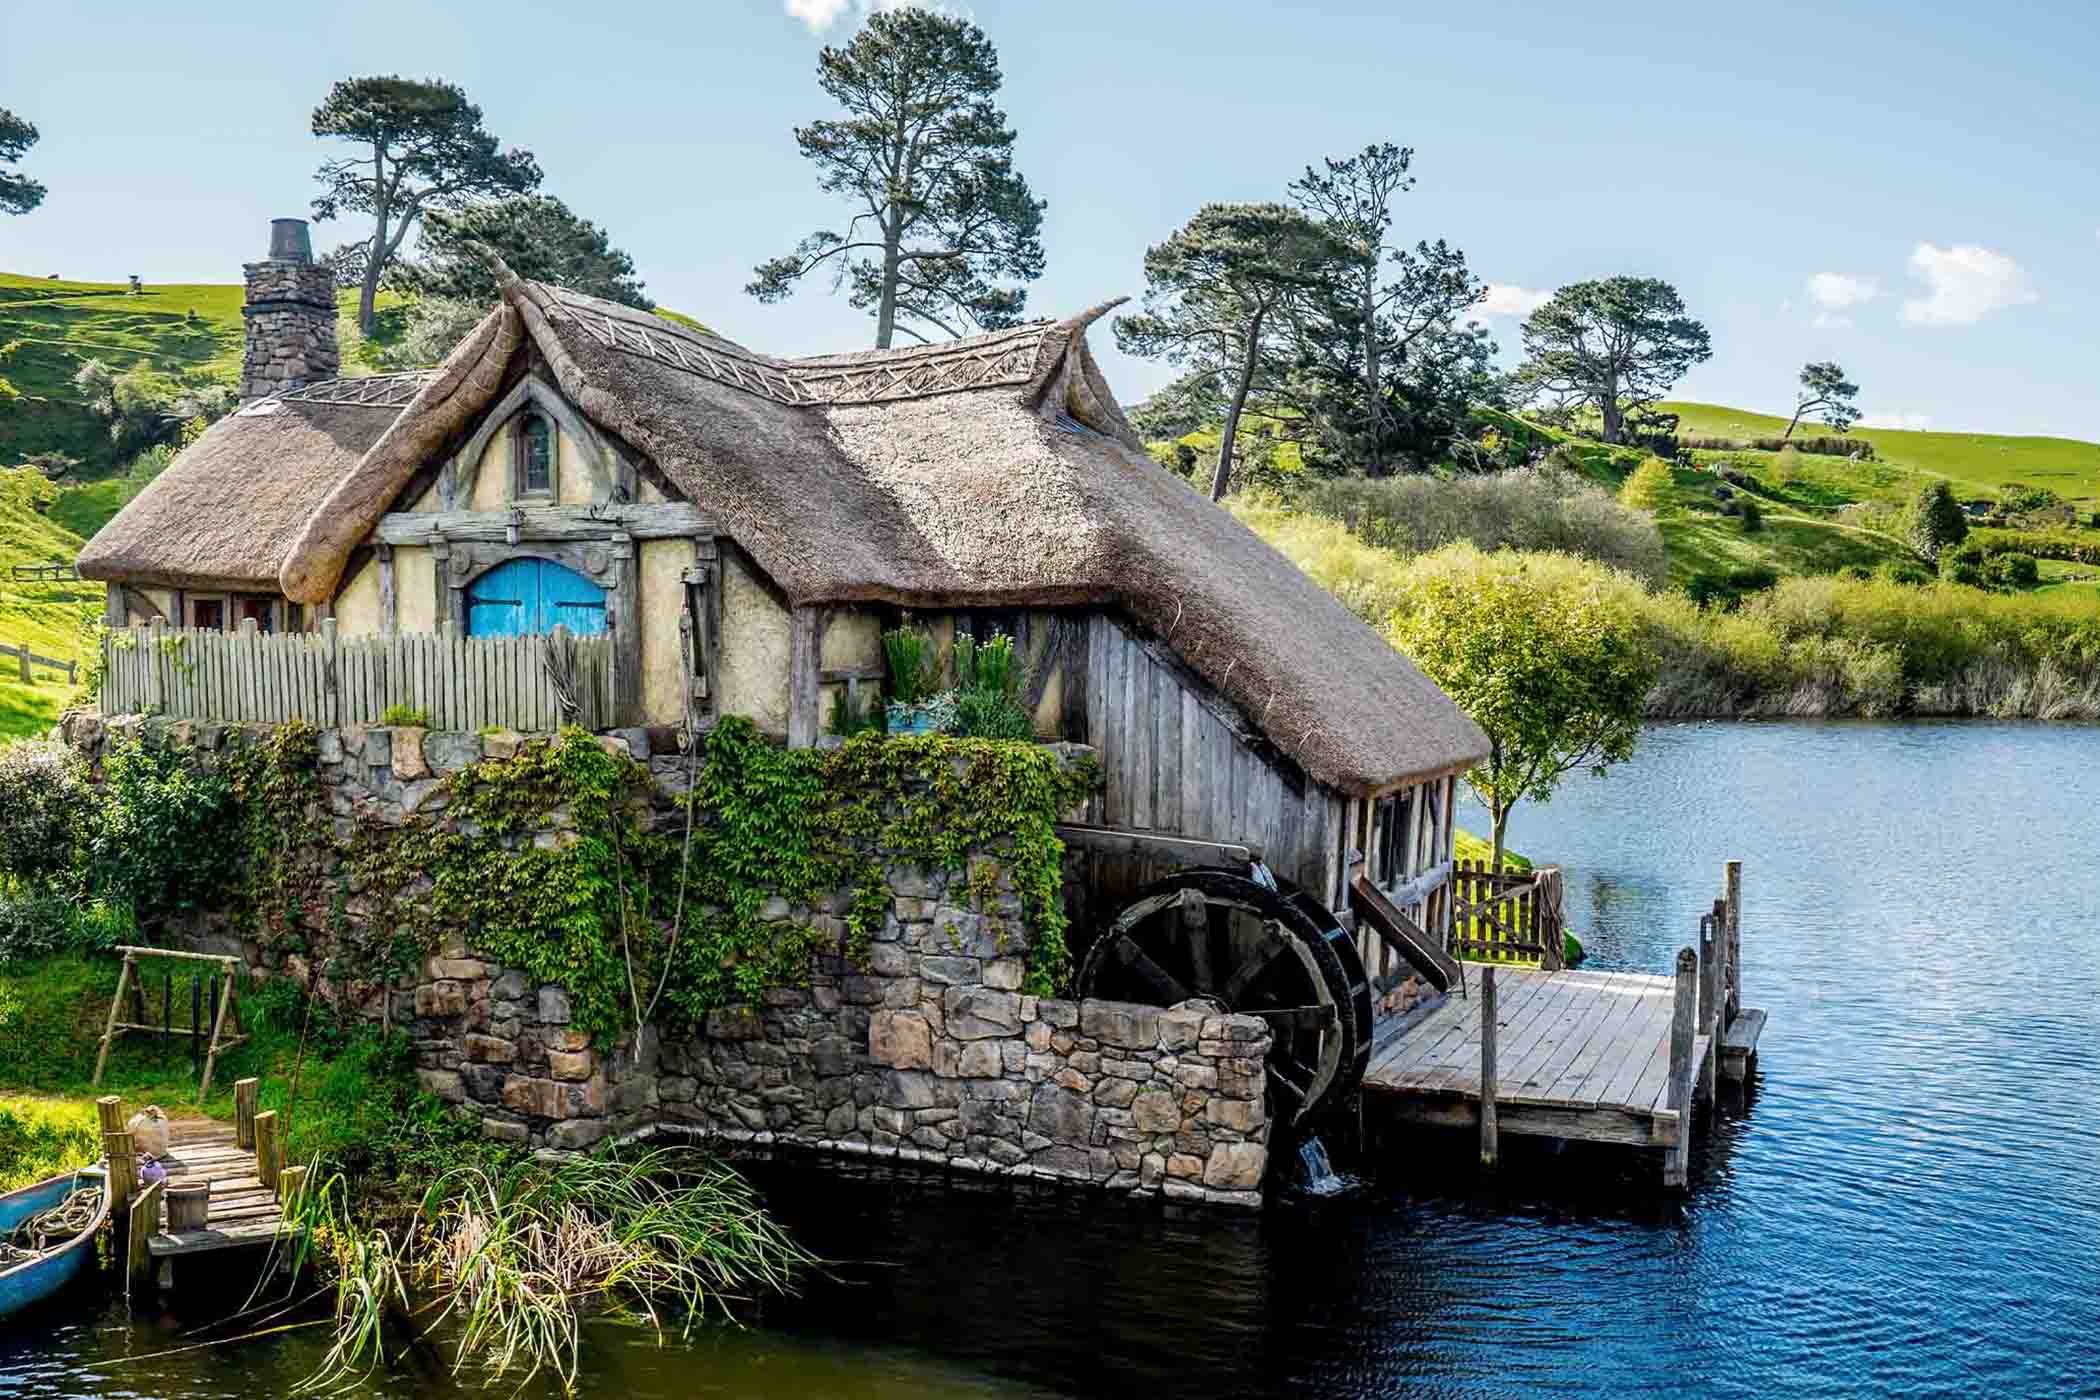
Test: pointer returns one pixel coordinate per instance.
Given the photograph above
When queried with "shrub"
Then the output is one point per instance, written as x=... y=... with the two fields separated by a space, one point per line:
x=1753 y=516
x=2014 y=571
x=45 y=803
x=1729 y=587
x=1529 y=508
x=405 y=717
x=988 y=684
x=167 y=835
x=1908 y=575
x=43 y=923
x=2017 y=497
x=2068 y=545
x=1858 y=448
x=1936 y=520
x=1857 y=571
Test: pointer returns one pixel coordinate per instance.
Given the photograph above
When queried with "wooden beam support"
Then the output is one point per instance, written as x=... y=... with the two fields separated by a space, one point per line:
x=1490 y=1129
x=805 y=631
x=1110 y=840
x=141 y=1224
x=666 y=520
x=1732 y=886
x=246 y=1095
x=1678 y=1091
x=269 y=1152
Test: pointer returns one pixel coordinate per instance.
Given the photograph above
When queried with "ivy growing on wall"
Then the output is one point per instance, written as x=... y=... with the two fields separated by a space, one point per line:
x=559 y=862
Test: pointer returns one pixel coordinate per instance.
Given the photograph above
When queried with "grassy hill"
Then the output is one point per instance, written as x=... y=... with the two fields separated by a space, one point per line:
x=47 y=616
x=1978 y=464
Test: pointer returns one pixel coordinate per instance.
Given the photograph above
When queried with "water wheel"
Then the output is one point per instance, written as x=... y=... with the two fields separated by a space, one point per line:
x=1258 y=946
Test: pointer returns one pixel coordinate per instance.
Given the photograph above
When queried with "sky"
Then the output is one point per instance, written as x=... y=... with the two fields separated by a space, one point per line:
x=1907 y=189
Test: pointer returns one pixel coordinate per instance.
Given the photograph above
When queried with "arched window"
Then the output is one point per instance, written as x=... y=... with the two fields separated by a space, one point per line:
x=534 y=450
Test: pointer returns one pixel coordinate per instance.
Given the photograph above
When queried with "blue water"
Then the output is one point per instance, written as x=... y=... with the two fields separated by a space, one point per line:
x=1908 y=1205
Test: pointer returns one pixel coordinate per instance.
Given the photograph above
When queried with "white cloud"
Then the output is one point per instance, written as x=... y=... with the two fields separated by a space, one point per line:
x=1910 y=422
x=1508 y=299
x=1964 y=284
x=1830 y=321
x=1834 y=291
x=820 y=15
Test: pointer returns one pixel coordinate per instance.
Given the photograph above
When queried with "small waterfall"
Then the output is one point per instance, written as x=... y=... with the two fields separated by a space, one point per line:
x=1316 y=1176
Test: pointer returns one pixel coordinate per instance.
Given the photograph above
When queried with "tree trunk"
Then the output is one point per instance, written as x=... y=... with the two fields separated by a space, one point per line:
x=368 y=294
x=1220 y=482
x=1614 y=420
x=1374 y=462
x=377 y=253
x=886 y=309
x=1501 y=827
x=1793 y=422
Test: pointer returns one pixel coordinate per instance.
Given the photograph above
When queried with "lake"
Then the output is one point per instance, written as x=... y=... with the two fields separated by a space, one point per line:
x=1909 y=1205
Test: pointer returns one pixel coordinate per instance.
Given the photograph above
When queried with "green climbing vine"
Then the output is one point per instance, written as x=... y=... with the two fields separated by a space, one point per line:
x=564 y=862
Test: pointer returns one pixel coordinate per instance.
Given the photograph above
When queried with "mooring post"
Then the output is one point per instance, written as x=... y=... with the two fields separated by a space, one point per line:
x=245 y=1095
x=269 y=1157
x=1490 y=1129
x=1709 y=974
x=290 y=1182
x=138 y=1232
x=123 y=1168
x=1683 y=1008
x=1732 y=883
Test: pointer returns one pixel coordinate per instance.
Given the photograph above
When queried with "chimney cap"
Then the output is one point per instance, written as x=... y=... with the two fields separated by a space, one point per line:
x=290 y=242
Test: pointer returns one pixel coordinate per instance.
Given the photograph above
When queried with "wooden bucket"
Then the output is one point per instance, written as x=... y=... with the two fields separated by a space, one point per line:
x=189 y=1208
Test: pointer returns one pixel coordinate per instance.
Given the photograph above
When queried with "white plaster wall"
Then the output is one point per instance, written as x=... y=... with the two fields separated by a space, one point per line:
x=754 y=649
x=662 y=566
x=415 y=589
x=357 y=610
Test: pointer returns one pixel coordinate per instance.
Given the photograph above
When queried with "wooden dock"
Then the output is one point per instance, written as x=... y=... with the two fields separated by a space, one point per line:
x=1578 y=1055
x=1618 y=1057
x=242 y=1211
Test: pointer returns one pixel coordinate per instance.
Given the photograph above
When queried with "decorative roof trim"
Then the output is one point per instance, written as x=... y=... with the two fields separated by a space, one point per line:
x=369 y=391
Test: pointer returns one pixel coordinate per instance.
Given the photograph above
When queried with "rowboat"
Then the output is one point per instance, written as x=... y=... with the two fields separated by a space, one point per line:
x=35 y=1279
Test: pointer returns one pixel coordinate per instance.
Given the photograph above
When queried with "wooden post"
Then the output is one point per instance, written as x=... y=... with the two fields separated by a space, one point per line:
x=1732 y=881
x=269 y=1153
x=218 y=1023
x=805 y=635
x=245 y=1092
x=109 y=1112
x=1490 y=1129
x=140 y=1228
x=123 y=1168
x=1709 y=980
x=290 y=1182
x=109 y=1030
x=1550 y=919
x=1677 y=1158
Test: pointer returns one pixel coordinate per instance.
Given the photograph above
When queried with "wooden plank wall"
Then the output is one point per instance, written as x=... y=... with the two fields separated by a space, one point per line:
x=461 y=683
x=1178 y=760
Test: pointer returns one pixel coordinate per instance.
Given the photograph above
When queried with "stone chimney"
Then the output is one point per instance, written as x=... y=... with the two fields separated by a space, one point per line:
x=290 y=311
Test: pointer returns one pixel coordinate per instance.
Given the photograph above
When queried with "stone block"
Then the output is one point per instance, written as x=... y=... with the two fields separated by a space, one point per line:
x=489 y=1050
x=1060 y=1114
x=409 y=762
x=564 y=1064
x=951 y=971
x=1155 y=1111
x=1069 y=1078
x=735 y=1025
x=979 y=1013
x=554 y=1005
x=1115 y=1093
x=441 y=999
x=576 y=1134
x=981 y=1059
x=1180 y=1029
x=443 y=1083
x=1121 y=1024
x=504 y=1130
x=1006 y=974
x=379 y=747
x=1184 y=1167
x=463 y=969
x=1037 y=1037
x=449 y=751
x=1239 y=1115
x=511 y=986
x=900 y=1039
x=906 y=1089
x=501 y=743
x=539 y=1098
x=1235 y=1166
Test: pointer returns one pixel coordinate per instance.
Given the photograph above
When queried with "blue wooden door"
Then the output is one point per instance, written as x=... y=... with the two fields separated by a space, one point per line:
x=527 y=596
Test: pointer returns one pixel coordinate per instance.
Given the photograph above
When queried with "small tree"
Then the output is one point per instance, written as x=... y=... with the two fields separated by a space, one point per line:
x=940 y=215
x=1546 y=655
x=18 y=193
x=1936 y=520
x=1647 y=487
x=421 y=146
x=1615 y=345
x=1221 y=295
x=1824 y=387
x=537 y=235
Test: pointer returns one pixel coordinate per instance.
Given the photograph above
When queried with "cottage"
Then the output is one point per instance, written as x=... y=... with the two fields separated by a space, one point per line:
x=736 y=530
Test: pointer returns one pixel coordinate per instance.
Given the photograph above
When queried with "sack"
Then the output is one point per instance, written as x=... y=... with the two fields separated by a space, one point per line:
x=149 y=1131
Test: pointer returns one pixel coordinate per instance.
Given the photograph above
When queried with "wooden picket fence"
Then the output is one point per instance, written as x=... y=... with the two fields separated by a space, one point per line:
x=1508 y=916
x=458 y=683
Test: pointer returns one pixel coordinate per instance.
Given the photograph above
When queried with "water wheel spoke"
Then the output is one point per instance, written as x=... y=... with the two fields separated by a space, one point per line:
x=1298 y=1020
x=1291 y=1084
x=1195 y=933
x=1155 y=976
x=1251 y=971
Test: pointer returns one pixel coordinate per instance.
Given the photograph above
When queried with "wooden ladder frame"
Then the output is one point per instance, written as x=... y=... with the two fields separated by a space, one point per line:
x=127 y=981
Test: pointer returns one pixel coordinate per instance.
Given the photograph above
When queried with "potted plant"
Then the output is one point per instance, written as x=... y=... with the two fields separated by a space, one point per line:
x=914 y=680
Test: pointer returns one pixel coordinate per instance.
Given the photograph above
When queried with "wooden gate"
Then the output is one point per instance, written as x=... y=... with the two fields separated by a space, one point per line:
x=1508 y=916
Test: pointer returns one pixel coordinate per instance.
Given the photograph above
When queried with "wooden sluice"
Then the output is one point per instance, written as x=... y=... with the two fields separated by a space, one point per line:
x=1617 y=1057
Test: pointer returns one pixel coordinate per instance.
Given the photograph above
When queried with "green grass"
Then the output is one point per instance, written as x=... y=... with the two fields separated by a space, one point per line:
x=47 y=616
x=1976 y=463
x=42 y=1137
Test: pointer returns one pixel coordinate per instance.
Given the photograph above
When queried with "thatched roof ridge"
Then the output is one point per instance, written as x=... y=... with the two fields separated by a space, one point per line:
x=225 y=512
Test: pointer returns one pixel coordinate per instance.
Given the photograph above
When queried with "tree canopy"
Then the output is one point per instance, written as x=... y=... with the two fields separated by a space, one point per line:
x=420 y=146
x=1224 y=297
x=1936 y=520
x=1392 y=370
x=1615 y=345
x=540 y=237
x=1545 y=655
x=18 y=193
x=1825 y=388
x=943 y=226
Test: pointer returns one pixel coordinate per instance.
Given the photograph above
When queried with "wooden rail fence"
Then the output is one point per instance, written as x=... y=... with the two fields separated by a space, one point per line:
x=458 y=683
x=57 y=571
x=24 y=658
x=1509 y=916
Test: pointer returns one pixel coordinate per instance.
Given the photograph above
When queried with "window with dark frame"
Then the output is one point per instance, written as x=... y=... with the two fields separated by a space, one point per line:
x=208 y=614
x=257 y=608
x=534 y=451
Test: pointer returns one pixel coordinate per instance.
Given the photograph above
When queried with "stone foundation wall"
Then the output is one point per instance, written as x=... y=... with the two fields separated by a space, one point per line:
x=928 y=1053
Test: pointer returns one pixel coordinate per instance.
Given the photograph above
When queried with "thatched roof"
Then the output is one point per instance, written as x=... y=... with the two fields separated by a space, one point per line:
x=225 y=512
x=996 y=471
